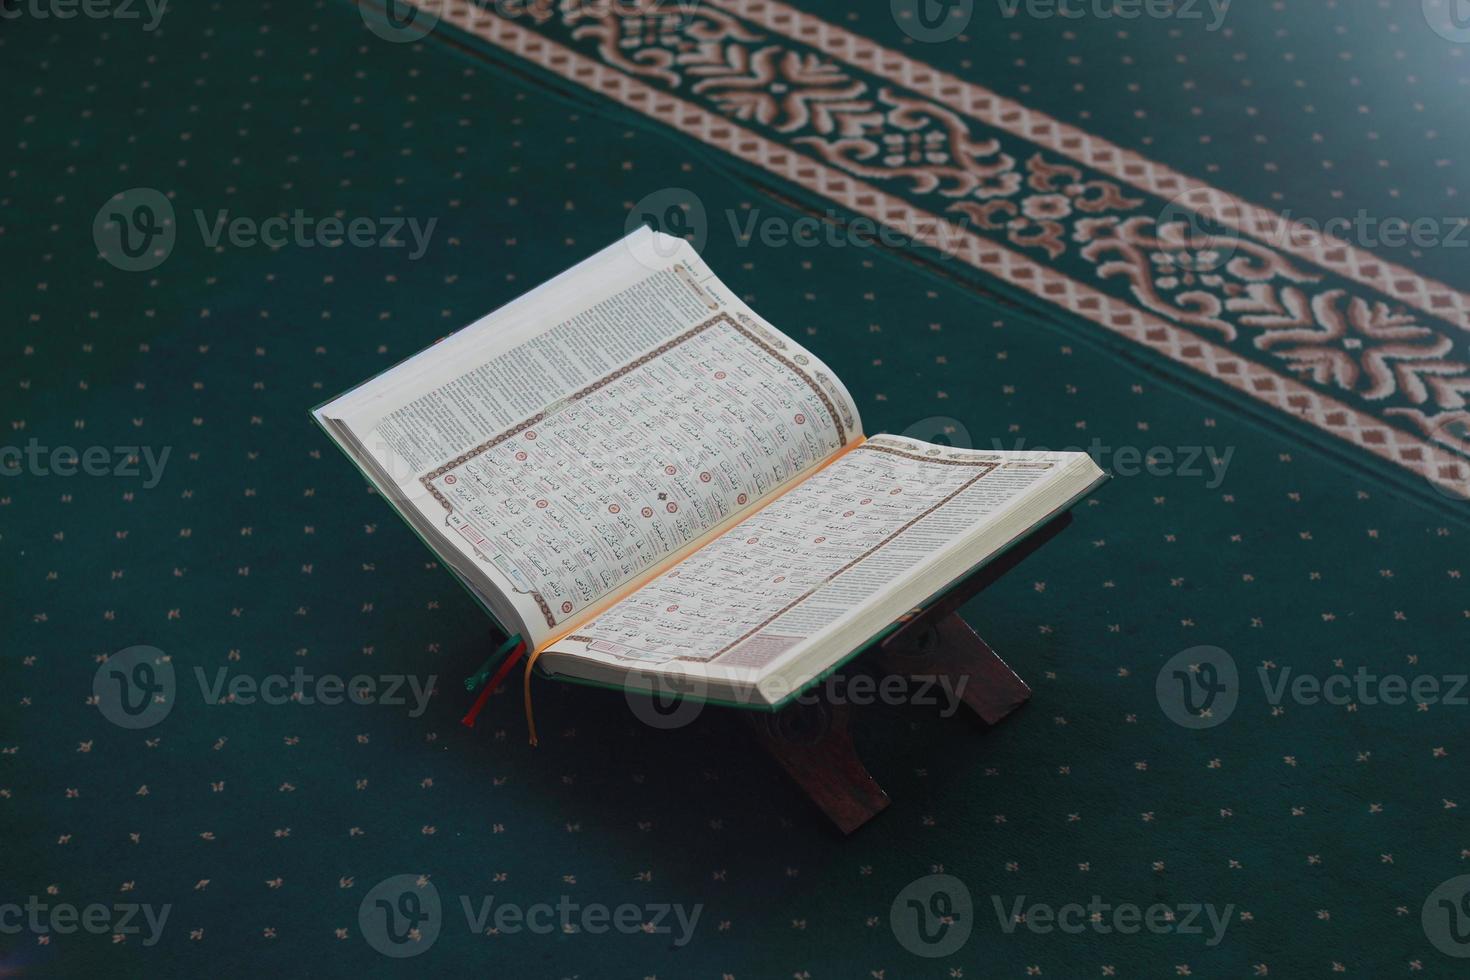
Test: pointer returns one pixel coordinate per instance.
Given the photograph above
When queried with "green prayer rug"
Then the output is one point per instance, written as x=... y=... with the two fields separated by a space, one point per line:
x=1220 y=247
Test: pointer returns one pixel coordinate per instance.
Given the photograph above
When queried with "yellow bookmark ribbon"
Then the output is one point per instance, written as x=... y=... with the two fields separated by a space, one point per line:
x=531 y=714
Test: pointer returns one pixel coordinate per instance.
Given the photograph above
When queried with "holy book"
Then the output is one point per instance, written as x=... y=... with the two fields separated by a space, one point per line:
x=659 y=490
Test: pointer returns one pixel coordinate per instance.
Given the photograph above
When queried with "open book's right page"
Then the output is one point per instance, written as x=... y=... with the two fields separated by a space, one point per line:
x=775 y=600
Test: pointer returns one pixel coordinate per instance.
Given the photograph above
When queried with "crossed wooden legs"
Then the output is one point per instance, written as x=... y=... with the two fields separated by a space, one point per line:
x=810 y=740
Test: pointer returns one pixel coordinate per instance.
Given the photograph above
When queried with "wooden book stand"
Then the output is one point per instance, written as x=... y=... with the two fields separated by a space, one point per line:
x=810 y=739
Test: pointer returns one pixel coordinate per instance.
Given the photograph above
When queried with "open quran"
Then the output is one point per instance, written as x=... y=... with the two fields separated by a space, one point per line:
x=659 y=490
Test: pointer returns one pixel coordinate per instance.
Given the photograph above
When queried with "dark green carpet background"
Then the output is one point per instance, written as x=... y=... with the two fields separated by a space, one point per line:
x=261 y=551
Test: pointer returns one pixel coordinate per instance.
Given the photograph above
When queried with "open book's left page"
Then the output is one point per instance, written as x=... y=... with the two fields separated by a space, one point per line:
x=607 y=422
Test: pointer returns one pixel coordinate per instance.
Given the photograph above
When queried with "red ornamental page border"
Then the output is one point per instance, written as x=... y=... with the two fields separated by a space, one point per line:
x=1266 y=386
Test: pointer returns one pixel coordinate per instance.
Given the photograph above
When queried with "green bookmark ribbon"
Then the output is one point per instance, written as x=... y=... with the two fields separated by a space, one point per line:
x=479 y=677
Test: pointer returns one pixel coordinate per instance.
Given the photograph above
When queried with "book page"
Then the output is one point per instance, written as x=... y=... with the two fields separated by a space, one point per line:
x=563 y=466
x=832 y=544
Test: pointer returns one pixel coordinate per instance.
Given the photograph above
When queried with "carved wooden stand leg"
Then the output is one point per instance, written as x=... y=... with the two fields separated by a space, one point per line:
x=811 y=742
x=952 y=650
